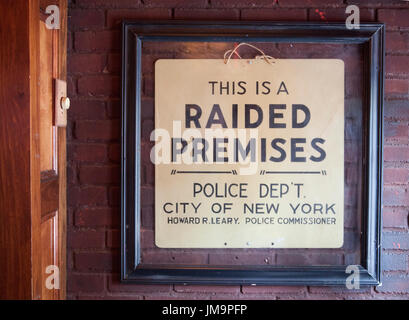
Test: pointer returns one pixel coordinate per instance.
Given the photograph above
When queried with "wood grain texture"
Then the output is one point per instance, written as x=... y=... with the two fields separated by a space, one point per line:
x=32 y=202
x=49 y=195
x=48 y=157
x=35 y=155
x=47 y=136
x=53 y=186
x=62 y=154
x=17 y=142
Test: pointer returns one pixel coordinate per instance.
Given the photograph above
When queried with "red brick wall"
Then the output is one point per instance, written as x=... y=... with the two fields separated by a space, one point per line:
x=94 y=142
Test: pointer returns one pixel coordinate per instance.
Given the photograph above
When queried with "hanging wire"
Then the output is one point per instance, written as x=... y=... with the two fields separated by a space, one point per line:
x=229 y=53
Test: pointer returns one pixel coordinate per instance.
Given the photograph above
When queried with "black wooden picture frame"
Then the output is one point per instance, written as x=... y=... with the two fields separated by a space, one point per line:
x=133 y=35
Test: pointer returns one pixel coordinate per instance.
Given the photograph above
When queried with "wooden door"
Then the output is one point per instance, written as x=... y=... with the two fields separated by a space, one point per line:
x=52 y=66
x=32 y=152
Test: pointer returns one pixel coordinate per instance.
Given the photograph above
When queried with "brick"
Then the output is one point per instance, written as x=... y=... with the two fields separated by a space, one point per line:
x=100 y=174
x=70 y=259
x=147 y=217
x=147 y=196
x=109 y=297
x=86 y=239
x=396 y=240
x=96 y=52
x=150 y=174
x=156 y=48
x=114 y=63
x=311 y=3
x=350 y=196
x=206 y=289
x=241 y=259
x=176 y=3
x=147 y=127
x=143 y=176
x=378 y=3
x=396 y=153
x=71 y=87
x=97 y=130
x=274 y=14
x=301 y=50
x=87 y=110
x=353 y=109
x=396 y=175
x=351 y=174
x=394 y=283
x=395 y=217
x=85 y=19
x=147 y=108
x=146 y=153
x=312 y=259
x=115 y=17
x=114 y=285
x=96 y=261
x=176 y=258
x=242 y=3
x=338 y=290
x=98 y=85
x=114 y=109
x=269 y=297
x=273 y=289
x=352 y=258
x=397 y=86
x=207 y=14
x=205 y=50
x=395 y=196
x=108 y=3
x=70 y=216
x=354 y=84
x=101 y=41
x=397 y=109
x=87 y=152
x=70 y=129
x=397 y=64
x=394 y=262
x=71 y=175
x=147 y=239
x=351 y=152
x=114 y=152
x=97 y=217
x=113 y=239
x=350 y=217
x=339 y=14
x=114 y=196
x=292 y=259
x=397 y=42
x=85 y=282
x=394 y=17
x=148 y=86
x=148 y=61
x=86 y=63
x=70 y=42
x=91 y=195
x=351 y=130
x=174 y=296
x=352 y=239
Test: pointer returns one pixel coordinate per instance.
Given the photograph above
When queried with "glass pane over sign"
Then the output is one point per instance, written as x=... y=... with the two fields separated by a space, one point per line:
x=204 y=211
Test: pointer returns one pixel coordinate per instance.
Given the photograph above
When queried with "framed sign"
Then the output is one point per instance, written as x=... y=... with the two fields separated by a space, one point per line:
x=251 y=152
x=281 y=184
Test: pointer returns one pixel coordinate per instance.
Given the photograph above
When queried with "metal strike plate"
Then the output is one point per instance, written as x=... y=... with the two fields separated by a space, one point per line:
x=61 y=103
